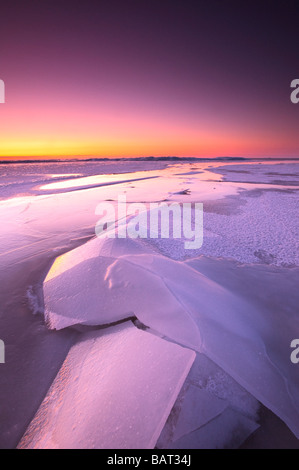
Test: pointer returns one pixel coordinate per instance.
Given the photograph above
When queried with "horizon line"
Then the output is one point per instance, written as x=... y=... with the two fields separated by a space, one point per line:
x=5 y=160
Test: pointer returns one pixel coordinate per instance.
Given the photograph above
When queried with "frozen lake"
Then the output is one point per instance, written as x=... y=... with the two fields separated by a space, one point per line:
x=232 y=303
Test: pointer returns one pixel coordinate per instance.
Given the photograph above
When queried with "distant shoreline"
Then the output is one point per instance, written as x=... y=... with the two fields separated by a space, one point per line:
x=170 y=159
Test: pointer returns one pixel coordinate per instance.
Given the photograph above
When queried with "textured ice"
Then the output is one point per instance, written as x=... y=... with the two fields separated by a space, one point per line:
x=89 y=286
x=207 y=392
x=274 y=173
x=198 y=407
x=114 y=390
x=207 y=376
x=255 y=227
x=228 y=430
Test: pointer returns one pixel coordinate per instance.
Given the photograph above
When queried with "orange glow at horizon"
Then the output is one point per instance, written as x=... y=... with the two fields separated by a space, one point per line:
x=66 y=136
x=46 y=123
x=37 y=133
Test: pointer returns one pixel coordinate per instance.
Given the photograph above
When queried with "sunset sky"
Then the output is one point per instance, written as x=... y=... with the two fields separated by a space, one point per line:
x=137 y=78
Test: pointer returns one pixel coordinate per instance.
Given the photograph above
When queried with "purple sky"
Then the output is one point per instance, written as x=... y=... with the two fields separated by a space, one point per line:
x=125 y=78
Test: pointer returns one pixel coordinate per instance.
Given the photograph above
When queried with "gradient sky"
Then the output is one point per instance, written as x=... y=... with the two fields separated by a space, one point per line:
x=138 y=78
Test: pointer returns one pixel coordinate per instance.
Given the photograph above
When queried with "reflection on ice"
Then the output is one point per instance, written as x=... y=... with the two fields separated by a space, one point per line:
x=97 y=180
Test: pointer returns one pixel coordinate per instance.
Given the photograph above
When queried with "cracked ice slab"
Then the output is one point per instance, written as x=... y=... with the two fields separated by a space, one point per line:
x=115 y=390
x=104 y=281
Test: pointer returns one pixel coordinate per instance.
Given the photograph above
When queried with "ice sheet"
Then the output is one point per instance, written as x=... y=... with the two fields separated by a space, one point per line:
x=274 y=173
x=114 y=390
x=198 y=407
x=258 y=226
x=228 y=430
x=177 y=300
x=207 y=392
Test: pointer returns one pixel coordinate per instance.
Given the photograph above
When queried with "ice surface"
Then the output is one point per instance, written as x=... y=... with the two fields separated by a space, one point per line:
x=208 y=376
x=115 y=289
x=207 y=392
x=253 y=227
x=274 y=173
x=198 y=407
x=252 y=219
x=114 y=390
x=228 y=430
x=20 y=178
x=89 y=286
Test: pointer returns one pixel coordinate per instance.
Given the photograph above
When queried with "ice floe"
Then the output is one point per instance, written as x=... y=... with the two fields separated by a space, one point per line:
x=115 y=390
x=92 y=286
